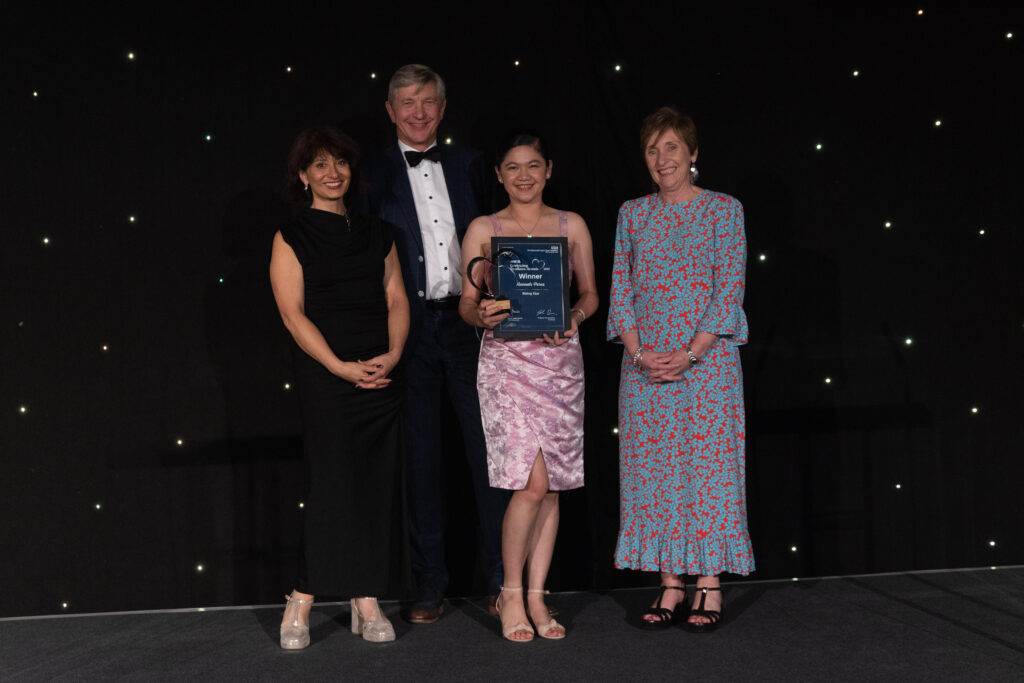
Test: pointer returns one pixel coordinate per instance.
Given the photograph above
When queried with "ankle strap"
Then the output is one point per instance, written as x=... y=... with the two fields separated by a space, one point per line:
x=298 y=600
x=678 y=588
x=538 y=590
x=705 y=589
x=518 y=589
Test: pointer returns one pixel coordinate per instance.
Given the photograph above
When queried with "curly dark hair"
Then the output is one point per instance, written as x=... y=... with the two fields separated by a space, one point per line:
x=304 y=150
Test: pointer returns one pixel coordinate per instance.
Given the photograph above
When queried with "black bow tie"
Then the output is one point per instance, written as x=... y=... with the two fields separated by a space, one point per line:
x=414 y=158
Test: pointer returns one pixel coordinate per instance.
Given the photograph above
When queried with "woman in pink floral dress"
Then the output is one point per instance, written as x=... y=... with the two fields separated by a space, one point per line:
x=676 y=306
x=531 y=392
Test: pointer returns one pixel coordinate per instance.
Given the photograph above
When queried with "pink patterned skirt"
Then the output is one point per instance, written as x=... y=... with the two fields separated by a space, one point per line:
x=531 y=399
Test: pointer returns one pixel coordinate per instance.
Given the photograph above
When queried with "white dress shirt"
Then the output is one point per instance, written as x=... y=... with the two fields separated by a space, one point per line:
x=442 y=253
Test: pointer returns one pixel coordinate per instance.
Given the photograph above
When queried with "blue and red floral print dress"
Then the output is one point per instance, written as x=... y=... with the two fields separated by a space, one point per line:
x=679 y=269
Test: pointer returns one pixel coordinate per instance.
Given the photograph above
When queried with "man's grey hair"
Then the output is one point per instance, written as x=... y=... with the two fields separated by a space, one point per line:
x=414 y=74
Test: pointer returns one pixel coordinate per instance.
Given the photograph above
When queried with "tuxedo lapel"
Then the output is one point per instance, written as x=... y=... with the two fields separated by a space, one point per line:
x=402 y=192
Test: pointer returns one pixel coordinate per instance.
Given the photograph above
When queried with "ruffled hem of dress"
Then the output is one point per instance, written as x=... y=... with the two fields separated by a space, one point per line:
x=736 y=557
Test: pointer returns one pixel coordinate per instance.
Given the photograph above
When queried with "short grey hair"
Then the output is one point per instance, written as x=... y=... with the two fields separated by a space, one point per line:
x=414 y=74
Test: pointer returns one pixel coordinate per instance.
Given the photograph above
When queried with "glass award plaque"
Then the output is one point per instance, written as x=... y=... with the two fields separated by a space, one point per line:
x=532 y=273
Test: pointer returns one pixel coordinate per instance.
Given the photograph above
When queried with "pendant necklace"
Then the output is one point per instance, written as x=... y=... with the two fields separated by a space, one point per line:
x=529 y=233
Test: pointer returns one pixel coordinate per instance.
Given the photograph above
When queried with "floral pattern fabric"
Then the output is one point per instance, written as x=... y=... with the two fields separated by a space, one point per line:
x=678 y=270
x=531 y=399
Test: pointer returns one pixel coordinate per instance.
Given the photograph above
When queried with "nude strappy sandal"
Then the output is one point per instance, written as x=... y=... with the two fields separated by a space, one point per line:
x=520 y=626
x=544 y=629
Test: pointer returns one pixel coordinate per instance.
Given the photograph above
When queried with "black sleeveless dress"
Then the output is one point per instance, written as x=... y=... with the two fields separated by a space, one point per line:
x=352 y=437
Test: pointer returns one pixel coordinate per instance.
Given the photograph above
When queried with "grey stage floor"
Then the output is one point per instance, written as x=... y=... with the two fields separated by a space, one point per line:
x=924 y=626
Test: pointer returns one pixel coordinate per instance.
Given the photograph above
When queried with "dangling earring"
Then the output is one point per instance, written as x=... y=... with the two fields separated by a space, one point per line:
x=307 y=186
x=694 y=174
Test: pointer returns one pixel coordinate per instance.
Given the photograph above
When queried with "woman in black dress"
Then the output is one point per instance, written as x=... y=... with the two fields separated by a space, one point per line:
x=338 y=287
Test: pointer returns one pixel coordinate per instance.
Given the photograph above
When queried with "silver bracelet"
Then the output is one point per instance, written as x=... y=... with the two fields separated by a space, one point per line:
x=637 y=356
x=693 y=359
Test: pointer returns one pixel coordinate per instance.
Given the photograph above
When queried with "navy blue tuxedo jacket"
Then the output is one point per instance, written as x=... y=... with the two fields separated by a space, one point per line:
x=389 y=196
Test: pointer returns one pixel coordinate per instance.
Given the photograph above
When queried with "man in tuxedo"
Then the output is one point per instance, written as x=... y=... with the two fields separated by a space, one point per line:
x=431 y=193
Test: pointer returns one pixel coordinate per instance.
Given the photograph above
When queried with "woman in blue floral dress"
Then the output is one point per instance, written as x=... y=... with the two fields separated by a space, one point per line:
x=676 y=306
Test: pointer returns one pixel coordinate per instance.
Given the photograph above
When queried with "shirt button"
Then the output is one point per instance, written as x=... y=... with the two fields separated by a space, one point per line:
x=430 y=197
x=440 y=244
x=426 y=175
x=435 y=220
x=420 y=293
x=446 y=267
x=421 y=259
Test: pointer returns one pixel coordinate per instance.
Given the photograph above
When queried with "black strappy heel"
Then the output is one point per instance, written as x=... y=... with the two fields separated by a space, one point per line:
x=714 y=617
x=663 y=617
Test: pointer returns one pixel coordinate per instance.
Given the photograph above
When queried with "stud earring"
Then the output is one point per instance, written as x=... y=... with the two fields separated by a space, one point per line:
x=307 y=187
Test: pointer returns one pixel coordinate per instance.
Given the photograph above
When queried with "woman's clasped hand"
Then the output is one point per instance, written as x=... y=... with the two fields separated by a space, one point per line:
x=665 y=366
x=368 y=374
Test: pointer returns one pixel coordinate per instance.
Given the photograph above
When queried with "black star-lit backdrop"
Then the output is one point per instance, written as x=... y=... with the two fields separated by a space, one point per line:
x=149 y=434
